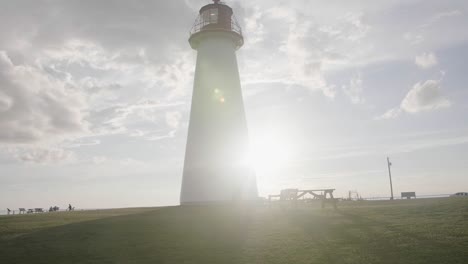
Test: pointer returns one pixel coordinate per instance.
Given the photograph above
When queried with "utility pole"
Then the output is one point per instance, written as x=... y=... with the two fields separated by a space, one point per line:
x=390 y=176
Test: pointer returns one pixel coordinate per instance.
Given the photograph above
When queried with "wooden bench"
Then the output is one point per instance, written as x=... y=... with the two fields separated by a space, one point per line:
x=408 y=195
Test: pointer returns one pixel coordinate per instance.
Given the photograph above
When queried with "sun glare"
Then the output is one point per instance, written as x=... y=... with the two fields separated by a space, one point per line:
x=269 y=152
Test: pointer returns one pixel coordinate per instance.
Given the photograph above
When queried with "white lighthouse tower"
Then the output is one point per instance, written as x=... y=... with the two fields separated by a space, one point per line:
x=216 y=167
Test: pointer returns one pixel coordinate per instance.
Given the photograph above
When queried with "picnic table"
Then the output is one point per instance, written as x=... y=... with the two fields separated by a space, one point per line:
x=35 y=210
x=294 y=194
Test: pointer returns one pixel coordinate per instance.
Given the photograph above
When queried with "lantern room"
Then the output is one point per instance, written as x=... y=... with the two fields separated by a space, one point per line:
x=216 y=17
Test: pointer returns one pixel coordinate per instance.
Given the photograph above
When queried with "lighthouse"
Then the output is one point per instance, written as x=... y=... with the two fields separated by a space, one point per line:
x=216 y=166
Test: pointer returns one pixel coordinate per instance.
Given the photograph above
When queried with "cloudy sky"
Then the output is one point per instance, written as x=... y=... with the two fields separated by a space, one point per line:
x=95 y=97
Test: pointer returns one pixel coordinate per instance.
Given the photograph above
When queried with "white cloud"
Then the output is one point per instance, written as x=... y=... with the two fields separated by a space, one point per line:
x=302 y=48
x=157 y=135
x=146 y=119
x=305 y=64
x=44 y=155
x=445 y=14
x=413 y=38
x=254 y=29
x=99 y=159
x=93 y=72
x=82 y=142
x=142 y=116
x=35 y=106
x=423 y=97
x=426 y=60
x=116 y=25
x=173 y=119
x=390 y=114
x=422 y=142
x=355 y=90
x=5 y=102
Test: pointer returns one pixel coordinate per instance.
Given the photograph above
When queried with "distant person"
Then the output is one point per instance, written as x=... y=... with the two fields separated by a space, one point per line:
x=9 y=211
x=70 y=207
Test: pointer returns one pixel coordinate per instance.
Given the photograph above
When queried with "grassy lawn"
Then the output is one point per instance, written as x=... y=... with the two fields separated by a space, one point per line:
x=416 y=231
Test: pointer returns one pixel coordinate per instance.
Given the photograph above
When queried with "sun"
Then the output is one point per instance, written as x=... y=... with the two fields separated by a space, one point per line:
x=269 y=152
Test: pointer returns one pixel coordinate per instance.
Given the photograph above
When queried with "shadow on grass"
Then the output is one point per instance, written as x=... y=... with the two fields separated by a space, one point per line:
x=171 y=235
x=339 y=239
x=407 y=242
x=346 y=237
x=229 y=234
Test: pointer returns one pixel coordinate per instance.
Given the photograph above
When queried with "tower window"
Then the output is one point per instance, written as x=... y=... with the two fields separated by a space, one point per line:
x=210 y=16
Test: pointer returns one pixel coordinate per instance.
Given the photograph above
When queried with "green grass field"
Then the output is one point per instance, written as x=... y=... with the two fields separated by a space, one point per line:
x=416 y=231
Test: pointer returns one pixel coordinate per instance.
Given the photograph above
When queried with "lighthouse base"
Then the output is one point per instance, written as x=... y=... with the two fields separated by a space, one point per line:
x=209 y=188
